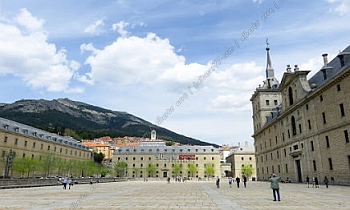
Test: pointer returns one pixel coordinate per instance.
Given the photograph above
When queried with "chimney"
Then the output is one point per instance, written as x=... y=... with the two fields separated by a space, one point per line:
x=296 y=68
x=288 y=68
x=239 y=144
x=325 y=59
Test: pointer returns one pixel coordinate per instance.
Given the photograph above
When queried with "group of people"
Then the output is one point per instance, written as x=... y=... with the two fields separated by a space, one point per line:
x=230 y=180
x=67 y=181
x=315 y=183
x=275 y=180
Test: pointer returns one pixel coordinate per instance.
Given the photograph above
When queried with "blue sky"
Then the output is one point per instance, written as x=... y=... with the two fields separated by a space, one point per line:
x=148 y=58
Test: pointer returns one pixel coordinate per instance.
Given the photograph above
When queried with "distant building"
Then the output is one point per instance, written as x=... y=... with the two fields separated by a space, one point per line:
x=242 y=156
x=22 y=141
x=301 y=126
x=99 y=147
x=164 y=158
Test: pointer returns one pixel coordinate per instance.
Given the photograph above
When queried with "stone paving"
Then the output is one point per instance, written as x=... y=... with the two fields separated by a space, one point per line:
x=176 y=195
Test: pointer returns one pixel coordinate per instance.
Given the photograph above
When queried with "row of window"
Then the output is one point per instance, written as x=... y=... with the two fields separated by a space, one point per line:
x=164 y=150
x=25 y=144
x=330 y=165
x=345 y=133
x=150 y=158
x=3 y=155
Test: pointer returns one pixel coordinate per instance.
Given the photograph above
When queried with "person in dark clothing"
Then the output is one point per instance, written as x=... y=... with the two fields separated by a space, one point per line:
x=326 y=181
x=217 y=182
x=237 y=181
x=245 y=181
x=307 y=181
x=316 y=182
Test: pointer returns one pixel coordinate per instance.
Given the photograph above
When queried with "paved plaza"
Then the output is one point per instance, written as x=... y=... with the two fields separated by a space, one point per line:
x=176 y=195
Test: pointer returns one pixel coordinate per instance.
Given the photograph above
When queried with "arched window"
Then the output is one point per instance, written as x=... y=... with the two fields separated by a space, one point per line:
x=294 y=128
x=290 y=93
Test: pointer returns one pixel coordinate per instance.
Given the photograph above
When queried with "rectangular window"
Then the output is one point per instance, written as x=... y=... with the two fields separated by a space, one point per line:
x=300 y=131
x=324 y=117
x=342 y=111
x=327 y=142
x=330 y=163
x=338 y=87
x=307 y=106
x=312 y=146
x=16 y=141
x=314 y=165
x=33 y=144
x=42 y=146
x=275 y=102
x=5 y=139
x=346 y=135
x=267 y=102
x=285 y=153
x=48 y=147
x=25 y=143
x=321 y=98
x=279 y=169
x=349 y=161
x=286 y=168
x=309 y=123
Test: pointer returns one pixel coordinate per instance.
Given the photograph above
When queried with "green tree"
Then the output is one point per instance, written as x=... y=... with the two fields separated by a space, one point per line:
x=169 y=143
x=98 y=157
x=151 y=169
x=247 y=170
x=120 y=169
x=72 y=133
x=177 y=167
x=209 y=169
x=24 y=165
x=192 y=169
x=47 y=163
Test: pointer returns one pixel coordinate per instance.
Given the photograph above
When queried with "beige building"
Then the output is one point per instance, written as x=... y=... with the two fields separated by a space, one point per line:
x=164 y=158
x=25 y=141
x=242 y=156
x=100 y=147
x=301 y=126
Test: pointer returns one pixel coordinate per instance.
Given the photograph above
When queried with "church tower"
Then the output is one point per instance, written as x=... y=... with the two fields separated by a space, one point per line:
x=266 y=98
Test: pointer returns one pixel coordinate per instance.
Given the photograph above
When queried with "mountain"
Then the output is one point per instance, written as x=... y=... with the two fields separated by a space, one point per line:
x=87 y=121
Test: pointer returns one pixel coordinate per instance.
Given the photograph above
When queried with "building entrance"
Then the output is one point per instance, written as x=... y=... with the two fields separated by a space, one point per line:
x=298 y=170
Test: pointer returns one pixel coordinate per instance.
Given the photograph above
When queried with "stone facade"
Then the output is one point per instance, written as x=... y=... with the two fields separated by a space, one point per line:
x=244 y=155
x=26 y=141
x=138 y=158
x=307 y=133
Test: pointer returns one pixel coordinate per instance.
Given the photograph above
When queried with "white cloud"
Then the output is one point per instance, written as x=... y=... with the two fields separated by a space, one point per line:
x=259 y=1
x=26 y=54
x=341 y=7
x=131 y=60
x=93 y=28
x=120 y=28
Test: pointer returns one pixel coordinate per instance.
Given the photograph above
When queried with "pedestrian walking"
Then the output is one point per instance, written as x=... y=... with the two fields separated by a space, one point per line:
x=245 y=181
x=316 y=182
x=238 y=180
x=307 y=181
x=217 y=182
x=65 y=181
x=326 y=181
x=70 y=183
x=313 y=182
x=230 y=181
x=275 y=186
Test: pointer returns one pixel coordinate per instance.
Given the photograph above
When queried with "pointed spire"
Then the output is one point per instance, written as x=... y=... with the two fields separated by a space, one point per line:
x=268 y=64
x=271 y=82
